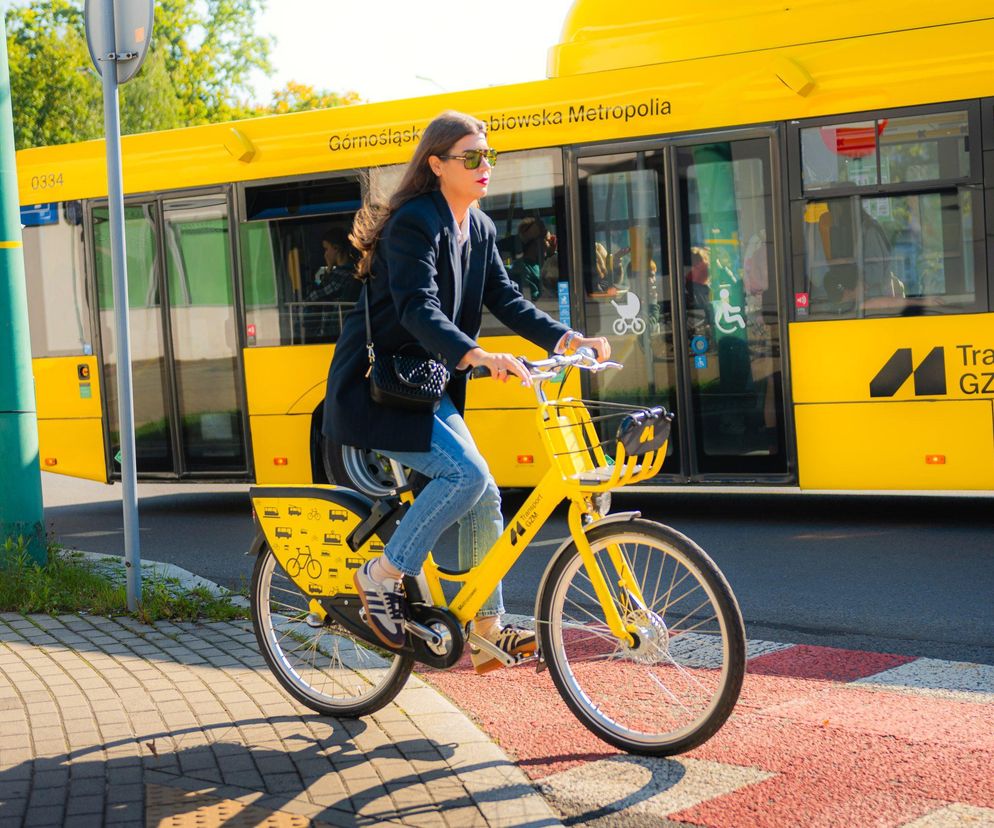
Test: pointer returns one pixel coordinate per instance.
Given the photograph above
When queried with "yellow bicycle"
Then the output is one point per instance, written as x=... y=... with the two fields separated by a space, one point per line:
x=638 y=628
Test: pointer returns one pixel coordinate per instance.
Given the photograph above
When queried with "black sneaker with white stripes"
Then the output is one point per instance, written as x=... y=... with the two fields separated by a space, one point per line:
x=386 y=606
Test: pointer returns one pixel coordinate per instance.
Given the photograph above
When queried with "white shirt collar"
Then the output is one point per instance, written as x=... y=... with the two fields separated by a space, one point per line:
x=462 y=230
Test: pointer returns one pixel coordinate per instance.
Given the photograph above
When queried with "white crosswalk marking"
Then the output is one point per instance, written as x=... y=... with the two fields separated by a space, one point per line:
x=955 y=816
x=953 y=680
x=635 y=787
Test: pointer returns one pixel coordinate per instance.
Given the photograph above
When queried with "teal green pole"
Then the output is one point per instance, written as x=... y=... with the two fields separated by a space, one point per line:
x=21 y=510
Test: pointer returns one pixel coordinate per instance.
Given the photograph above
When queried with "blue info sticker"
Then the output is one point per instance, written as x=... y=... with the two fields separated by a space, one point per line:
x=700 y=362
x=564 y=304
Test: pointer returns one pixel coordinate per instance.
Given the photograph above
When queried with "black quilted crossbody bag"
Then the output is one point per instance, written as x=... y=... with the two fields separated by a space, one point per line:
x=404 y=380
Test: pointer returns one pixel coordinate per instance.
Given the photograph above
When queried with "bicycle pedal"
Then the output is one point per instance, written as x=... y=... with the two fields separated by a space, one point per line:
x=481 y=643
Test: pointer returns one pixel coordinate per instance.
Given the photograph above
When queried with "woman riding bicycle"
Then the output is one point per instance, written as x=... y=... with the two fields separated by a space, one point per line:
x=429 y=264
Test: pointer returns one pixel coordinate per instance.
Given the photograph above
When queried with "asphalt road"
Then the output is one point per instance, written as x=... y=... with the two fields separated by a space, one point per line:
x=907 y=575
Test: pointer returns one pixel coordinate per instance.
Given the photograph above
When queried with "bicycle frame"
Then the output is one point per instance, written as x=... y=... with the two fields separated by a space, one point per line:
x=578 y=469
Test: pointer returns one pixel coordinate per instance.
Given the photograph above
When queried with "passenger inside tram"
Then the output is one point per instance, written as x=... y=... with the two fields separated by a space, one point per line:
x=334 y=288
x=842 y=288
x=537 y=246
x=642 y=276
x=698 y=292
x=601 y=280
x=859 y=256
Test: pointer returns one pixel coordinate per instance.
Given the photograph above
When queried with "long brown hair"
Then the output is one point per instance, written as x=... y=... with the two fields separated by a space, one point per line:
x=437 y=139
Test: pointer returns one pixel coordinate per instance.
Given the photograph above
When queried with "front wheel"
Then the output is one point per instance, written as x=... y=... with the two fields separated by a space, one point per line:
x=673 y=686
x=324 y=667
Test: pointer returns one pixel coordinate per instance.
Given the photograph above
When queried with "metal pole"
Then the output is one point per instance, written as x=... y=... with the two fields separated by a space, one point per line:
x=119 y=269
x=21 y=511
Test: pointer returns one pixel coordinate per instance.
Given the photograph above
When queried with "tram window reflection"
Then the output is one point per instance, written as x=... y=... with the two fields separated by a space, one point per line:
x=526 y=203
x=903 y=253
x=58 y=302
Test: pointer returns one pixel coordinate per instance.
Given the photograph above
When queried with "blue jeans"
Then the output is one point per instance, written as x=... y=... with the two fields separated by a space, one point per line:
x=461 y=489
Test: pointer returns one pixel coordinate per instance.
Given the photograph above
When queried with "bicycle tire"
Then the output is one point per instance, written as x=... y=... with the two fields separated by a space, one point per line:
x=354 y=678
x=313 y=568
x=364 y=470
x=625 y=695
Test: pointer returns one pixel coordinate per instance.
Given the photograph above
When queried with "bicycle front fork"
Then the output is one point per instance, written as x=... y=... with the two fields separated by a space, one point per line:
x=625 y=581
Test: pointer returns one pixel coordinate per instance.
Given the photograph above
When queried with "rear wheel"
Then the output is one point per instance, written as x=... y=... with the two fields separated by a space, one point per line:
x=324 y=667
x=674 y=686
x=362 y=469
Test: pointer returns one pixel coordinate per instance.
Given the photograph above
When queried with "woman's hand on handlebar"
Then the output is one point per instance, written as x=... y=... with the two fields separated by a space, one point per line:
x=598 y=344
x=501 y=366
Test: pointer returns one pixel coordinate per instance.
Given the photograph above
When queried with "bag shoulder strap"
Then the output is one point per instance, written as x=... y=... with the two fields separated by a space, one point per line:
x=369 y=328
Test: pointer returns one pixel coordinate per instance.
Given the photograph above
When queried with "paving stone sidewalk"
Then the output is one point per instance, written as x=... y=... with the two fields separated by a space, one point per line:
x=112 y=722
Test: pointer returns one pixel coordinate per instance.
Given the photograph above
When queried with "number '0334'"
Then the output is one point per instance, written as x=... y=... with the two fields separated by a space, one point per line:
x=44 y=182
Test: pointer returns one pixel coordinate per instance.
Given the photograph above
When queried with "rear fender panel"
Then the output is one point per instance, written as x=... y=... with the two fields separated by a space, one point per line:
x=306 y=527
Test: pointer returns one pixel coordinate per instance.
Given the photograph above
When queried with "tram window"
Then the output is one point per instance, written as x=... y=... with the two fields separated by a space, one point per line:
x=929 y=147
x=297 y=263
x=525 y=201
x=924 y=148
x=58 y=303
x=839 y=154
x=891 y=255
x=626 y=278
x=624 y=256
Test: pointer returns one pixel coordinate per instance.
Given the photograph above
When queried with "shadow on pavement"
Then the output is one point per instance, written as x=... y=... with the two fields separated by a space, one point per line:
x=331 y=773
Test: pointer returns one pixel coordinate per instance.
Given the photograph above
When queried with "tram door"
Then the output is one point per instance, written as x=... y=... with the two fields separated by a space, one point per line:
x=188 y=415
x=679 y=273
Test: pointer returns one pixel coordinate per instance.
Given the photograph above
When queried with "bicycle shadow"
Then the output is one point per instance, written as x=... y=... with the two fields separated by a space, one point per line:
x=330 y=779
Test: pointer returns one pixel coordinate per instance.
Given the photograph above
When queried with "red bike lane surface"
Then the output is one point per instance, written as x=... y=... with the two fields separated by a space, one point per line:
x=820 y=737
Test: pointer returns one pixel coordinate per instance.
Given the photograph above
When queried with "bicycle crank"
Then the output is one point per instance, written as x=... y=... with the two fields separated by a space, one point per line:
x=437 y=637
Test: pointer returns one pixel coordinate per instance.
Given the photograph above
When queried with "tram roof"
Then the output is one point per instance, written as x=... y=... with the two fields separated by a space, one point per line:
x=618 y=72
x=600 y=35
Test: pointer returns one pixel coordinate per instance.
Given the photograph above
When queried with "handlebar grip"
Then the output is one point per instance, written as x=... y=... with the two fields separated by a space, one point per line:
x=479 y=372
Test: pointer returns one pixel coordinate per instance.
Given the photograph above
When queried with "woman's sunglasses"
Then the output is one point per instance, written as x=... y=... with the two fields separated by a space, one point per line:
x=472 y=158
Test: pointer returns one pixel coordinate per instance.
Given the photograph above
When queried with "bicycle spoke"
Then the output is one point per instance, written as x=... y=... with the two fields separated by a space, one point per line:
x=692 y=629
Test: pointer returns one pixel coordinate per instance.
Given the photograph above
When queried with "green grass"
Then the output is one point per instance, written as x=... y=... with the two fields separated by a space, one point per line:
x=71 y=583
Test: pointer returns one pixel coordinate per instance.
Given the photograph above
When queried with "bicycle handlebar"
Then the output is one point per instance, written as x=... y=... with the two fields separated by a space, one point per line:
x=584 y=358
x=544 y=369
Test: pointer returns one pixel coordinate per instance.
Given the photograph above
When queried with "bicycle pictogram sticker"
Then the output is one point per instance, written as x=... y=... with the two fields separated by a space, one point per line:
x=303 y=562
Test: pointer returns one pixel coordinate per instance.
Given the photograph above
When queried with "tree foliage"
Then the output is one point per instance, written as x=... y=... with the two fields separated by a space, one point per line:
x=198 y=70
x=299 y=97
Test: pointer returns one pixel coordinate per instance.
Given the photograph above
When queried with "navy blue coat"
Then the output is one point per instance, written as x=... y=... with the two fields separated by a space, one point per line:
x=411 y=301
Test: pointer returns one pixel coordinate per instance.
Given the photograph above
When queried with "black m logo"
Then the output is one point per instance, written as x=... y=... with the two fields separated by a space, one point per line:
x=516 y=532
x=930 y=375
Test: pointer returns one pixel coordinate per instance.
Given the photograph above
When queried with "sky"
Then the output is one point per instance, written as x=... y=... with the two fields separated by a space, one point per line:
x=389 y=49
